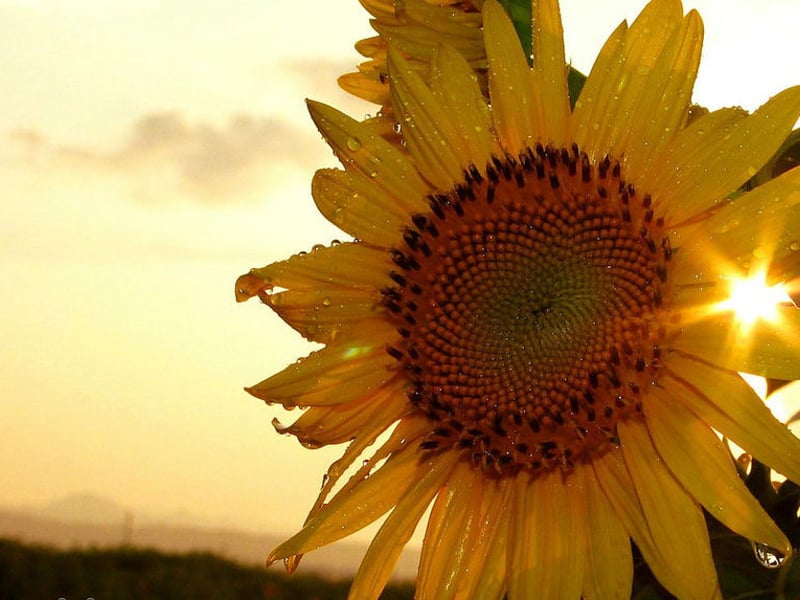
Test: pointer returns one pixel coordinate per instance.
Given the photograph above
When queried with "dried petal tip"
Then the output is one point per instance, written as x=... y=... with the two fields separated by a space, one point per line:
x=249 y=285
x=289 y=563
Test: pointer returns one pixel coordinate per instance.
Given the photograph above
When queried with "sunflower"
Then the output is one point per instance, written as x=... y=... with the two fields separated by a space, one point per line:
x=534 y=315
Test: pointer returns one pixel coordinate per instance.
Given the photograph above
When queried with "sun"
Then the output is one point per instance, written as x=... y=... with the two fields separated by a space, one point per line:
x=752 y=299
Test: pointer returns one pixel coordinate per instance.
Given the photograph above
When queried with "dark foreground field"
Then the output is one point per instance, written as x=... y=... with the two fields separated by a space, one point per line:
x=38 y=573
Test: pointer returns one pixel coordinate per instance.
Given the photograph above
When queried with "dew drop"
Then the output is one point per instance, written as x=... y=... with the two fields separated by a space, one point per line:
x=794 y=246
x=317 y=247
x=353 y=144
x=397 y=128
x=326 y=302
x=768 y=557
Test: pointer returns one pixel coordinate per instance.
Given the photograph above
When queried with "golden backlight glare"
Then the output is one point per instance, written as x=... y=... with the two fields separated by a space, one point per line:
x=752 y=299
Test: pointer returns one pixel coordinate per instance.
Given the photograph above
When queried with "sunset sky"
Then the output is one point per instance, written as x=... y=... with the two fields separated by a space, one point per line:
x=151 y=152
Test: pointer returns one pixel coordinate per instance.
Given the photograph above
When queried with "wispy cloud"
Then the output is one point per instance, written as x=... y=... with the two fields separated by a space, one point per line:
x=166 y=156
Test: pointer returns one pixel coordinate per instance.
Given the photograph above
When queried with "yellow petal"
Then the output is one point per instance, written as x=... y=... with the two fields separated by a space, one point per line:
x=359 y=208
x=661 y=111
x=550 y=73
x=683 y=161
x=618 y=487
x=323 y=314
x=361 y=502
x=433 y=140
x=455 y=85
x=362 y=440
x=463 y=555
x=769 y=347
x=329 y=292
x=366 y=84
x=346 y=265
x=379 y=8
x=609 y=569
x=702 y=465
x=624 y=86
x=320 y=426
x=720 y=152
x=595 y=100
x=761 y=225
x=364 y=152
x=346 y=370
x=513 y=101
x=547 y=555
x=419 y=25
x=686 y=549
x=388 y=543
x=724 y=401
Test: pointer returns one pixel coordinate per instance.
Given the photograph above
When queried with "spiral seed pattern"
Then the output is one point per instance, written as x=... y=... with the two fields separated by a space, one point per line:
x=528 y=302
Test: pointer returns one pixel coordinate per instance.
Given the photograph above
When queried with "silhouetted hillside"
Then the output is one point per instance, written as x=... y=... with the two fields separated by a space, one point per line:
x=31 y=572
x=64 y=531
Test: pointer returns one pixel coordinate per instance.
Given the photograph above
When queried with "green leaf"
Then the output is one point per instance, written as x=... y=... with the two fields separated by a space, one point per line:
x=575 y=81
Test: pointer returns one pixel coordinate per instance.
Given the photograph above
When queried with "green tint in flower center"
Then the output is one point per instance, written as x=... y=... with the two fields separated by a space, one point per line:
x=528 y=303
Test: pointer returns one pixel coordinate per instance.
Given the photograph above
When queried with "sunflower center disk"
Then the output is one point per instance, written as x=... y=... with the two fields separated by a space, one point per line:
x=528 y=302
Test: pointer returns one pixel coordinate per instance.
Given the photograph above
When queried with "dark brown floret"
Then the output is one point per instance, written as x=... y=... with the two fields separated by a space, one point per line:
x=527 y=304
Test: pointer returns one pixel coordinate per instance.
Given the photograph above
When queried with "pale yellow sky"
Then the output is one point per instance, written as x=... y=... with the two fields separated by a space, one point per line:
x=152 y=151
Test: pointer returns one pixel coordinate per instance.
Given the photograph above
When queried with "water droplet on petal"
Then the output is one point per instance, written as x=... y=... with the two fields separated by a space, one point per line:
x=768 y=557
x=326 y=301
x=353 y=144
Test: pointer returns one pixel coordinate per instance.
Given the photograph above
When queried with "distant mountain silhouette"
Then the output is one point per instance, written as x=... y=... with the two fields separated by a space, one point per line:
x=84 y=508
x=89 y=520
